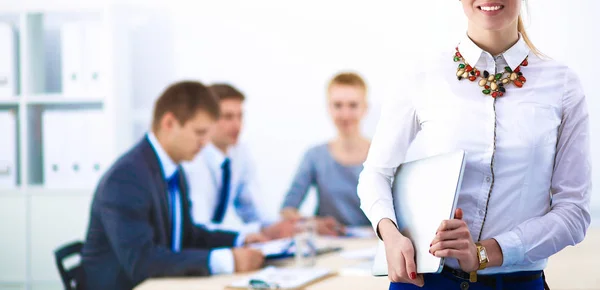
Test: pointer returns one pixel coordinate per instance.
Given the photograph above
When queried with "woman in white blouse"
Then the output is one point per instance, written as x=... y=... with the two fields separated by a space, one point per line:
x=523 y=121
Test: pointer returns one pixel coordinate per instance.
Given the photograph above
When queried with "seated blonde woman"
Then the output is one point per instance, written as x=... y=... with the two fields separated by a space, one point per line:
x=334 y=166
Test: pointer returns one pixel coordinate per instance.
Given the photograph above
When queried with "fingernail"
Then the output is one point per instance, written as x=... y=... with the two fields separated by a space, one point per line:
x=431 y=244
x=413 y=275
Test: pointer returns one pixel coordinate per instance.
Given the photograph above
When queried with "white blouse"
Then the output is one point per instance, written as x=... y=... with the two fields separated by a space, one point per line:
x=529 y=150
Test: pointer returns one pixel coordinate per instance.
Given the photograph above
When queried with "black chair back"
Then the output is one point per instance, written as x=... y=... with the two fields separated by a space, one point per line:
x=72 y=276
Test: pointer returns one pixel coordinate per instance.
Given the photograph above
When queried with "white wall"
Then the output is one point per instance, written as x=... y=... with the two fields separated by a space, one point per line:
x=281 y=54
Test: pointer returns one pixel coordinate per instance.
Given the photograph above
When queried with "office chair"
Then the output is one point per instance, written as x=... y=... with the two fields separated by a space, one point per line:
x=72 y=276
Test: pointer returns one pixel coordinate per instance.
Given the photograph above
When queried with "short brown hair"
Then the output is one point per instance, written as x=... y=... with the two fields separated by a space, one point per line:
x=348 y=79
x=184 y=99
x=227 y=91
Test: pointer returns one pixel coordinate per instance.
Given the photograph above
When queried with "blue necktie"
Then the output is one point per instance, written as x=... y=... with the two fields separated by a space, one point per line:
x=224 y=192
x=175 y=201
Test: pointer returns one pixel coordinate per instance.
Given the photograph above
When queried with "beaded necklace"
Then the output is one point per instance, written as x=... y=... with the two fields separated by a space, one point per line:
x=493 y=84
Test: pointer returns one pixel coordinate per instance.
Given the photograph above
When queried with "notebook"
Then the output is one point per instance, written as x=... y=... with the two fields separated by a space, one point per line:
x=425 y=193
x=284 y=278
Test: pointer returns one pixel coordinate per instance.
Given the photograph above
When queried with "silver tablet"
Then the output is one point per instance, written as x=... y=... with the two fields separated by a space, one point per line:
x=425 y=193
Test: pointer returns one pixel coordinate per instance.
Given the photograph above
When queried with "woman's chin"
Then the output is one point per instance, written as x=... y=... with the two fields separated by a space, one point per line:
x=346 y=130
x=493 y=24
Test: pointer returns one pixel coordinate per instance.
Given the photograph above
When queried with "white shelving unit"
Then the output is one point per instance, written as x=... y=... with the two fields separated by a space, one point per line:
x=9 y=101
x=59 y=99
x=42 y=217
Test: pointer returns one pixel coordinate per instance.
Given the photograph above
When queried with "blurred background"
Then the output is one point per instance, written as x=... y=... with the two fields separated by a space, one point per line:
x=78 y=79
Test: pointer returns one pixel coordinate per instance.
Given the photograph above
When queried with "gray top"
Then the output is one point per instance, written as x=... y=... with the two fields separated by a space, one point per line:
x=335 y=183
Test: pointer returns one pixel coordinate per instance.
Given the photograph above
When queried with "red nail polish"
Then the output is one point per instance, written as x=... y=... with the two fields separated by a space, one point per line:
x=413 y=275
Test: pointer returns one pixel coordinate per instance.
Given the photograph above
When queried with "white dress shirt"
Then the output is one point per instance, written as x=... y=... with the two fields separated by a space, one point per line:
x=220 y=260
x=536 y=138
x=204 y=175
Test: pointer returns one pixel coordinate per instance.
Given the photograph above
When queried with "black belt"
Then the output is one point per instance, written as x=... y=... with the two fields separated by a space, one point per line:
x=491 y=280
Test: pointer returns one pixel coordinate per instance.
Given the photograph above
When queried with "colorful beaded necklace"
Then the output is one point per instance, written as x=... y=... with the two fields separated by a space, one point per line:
x=492 y=84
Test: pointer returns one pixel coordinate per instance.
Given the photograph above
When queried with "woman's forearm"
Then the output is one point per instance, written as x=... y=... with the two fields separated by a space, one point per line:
x=494 y=252
x=386 y=227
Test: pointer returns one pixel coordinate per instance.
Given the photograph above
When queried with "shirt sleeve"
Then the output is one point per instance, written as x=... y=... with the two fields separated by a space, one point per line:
x=221 y=261
x=396 y=129
x=303 y=179
x=567 y=222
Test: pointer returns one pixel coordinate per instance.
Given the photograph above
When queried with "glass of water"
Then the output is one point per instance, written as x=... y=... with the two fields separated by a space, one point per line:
x=304 y=241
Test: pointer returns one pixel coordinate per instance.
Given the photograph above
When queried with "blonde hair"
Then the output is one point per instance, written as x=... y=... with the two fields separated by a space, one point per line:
x=521 y=29
x=348 y=79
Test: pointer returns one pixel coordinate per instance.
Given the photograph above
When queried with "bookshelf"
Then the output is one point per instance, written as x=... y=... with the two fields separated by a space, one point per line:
x=35 y=218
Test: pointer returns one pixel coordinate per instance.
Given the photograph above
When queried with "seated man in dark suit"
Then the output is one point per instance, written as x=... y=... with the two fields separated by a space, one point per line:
x=140 y=223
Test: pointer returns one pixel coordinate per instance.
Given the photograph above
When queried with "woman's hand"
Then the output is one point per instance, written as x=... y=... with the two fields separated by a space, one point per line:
x=290 y=213
x=453 y=240
x=254 y=238
x=400 y=255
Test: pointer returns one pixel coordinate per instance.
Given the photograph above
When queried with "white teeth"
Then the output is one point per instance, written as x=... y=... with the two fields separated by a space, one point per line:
x=490 y=8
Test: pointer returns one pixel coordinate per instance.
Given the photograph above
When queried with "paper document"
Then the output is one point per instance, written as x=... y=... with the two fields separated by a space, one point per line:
x=363 y=270
x=8 y=149
x=361 y=254
x=8 y=64
x=274 y=247
x=360 y=232
x=286 y=248
x=285 y=278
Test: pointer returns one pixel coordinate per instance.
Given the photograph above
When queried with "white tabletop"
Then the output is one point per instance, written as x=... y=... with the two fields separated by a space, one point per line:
x=573 y=268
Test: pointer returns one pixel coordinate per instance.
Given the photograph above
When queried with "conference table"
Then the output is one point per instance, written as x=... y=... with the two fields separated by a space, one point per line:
x=573 y=268
x=334 y=261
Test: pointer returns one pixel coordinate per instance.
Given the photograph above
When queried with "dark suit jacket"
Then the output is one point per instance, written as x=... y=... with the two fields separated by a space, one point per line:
x=129 y=235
